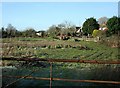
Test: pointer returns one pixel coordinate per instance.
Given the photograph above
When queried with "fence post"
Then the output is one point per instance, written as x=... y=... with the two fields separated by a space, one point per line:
x=50 y=74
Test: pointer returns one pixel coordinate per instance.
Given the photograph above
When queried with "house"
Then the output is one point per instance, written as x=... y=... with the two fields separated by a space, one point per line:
x=78 y=32
x=40 y=33
x=103 y=29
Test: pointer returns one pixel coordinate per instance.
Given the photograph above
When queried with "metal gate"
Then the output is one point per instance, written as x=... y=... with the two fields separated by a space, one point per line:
x=51 y=78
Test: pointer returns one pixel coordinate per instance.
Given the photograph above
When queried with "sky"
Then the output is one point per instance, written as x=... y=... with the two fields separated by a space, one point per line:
x=42 y=15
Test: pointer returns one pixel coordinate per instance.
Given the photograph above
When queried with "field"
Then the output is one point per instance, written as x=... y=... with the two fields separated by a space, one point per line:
x=53 y=48
x=58 y=49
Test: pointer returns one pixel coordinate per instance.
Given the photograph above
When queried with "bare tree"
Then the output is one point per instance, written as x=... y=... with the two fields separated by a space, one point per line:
x=102 y=21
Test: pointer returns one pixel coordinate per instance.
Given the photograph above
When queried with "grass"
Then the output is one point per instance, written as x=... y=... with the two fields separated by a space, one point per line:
x=67 y=71
x=59 y=49
x=50 y=48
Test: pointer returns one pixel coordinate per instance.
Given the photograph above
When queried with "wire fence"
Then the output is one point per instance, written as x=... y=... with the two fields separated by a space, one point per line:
x=51 y=79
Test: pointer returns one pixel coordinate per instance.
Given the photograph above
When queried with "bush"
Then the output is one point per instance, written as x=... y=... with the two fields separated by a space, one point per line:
x=112 y=41
x=96 y=33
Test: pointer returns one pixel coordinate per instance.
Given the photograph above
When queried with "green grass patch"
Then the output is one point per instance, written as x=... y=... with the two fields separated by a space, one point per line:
x=37 y=47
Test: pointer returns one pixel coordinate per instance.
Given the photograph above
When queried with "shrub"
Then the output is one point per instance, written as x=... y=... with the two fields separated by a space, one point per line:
x=96 y=33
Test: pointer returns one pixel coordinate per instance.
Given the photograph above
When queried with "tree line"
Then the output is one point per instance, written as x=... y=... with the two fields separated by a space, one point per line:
x=90 y=27
x=11 y=31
